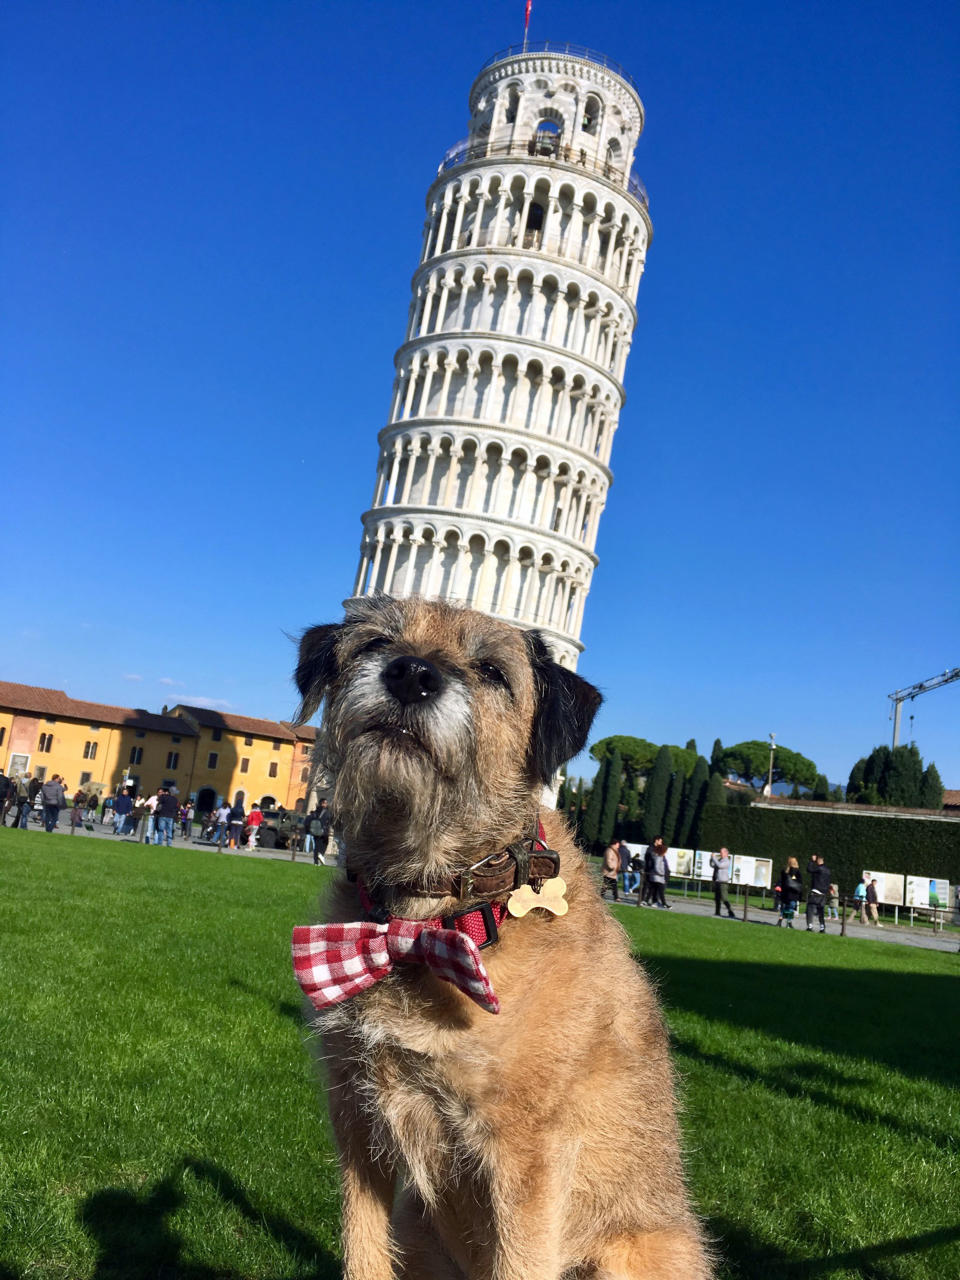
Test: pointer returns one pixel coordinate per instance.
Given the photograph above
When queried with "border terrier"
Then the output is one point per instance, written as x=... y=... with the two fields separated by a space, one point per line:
x=499 y=1081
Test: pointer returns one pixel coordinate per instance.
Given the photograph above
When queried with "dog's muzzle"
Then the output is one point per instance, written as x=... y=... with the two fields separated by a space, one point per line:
x=411 y=680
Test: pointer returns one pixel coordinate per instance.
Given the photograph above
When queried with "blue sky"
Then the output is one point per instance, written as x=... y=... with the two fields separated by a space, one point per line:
x=209 y=220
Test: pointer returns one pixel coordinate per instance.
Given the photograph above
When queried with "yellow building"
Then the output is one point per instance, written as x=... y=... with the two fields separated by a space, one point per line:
x=206 y=755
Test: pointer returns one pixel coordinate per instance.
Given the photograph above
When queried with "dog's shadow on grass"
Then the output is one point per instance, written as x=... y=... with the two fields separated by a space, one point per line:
x=283 y=1008
x=748 y=1259
x=136 y=1240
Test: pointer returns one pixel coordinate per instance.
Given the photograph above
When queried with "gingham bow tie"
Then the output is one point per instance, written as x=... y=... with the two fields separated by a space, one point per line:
x=333 y=962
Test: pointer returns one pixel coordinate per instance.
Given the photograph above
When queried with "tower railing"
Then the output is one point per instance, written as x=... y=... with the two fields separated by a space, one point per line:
x=565 y=50
x=547 y=148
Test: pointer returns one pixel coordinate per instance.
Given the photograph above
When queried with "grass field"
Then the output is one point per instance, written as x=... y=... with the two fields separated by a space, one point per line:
x=159 y=1116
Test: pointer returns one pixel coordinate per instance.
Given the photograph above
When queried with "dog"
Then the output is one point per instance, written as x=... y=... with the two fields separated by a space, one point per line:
x=503 y=1105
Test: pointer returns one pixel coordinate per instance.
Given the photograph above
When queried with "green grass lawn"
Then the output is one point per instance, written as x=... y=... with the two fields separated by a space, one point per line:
x=159 y=1116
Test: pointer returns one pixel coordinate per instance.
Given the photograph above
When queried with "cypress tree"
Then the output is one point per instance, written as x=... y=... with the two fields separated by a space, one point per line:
x=903 y=777
x=671 y=815
x=562 y=797
x=875 y=770
x=692 y=746
x=695 y=799
x=716 y=792
x=655 y=795
x=931 y=789
x=591 y=818
x=855 y=782
x=611 y=798
x=821 y=788
x=576 y=813
x=716 y=758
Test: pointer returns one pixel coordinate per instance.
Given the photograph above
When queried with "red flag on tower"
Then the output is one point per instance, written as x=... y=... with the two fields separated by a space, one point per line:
x=526 y=16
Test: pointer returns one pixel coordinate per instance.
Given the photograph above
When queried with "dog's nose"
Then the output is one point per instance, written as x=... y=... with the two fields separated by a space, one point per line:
x=412 y=679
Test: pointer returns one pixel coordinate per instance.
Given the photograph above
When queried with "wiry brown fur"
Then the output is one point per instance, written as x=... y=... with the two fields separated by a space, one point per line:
x=537 y=1144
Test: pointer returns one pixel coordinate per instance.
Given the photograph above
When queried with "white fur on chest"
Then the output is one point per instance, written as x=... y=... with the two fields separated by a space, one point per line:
x=417 y=1088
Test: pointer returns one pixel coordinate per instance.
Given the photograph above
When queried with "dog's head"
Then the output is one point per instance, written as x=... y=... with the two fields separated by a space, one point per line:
x=441 y=726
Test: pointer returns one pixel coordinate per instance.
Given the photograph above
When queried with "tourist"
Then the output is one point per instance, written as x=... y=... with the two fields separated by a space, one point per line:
x=833 y=902
x=254 y=819
x=236 y=820
x=630 y=862
x=649 y=858
x=658 y=877
x=859 y=907
x=819 y=891
x=165 y=813
x=611 y=870
x=722 y=864
x=221 y=817
x=872 y=899
x=54 y=799
x=122 y=809
x=151 y=805
x=187 y=812
x=791 y=891
x=322 y=833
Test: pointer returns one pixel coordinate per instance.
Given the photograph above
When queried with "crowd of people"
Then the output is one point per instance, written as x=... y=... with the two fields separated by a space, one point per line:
x=27 y=799
x=647 y=874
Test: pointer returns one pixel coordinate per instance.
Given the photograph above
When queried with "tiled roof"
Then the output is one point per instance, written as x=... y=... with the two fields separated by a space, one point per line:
x=35 y=700
x=237 y=724
x=302 y=732
x=951 y=798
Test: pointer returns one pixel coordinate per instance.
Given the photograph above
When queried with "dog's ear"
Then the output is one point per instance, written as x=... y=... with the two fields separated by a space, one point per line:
x=316 y=667
x=566 y=705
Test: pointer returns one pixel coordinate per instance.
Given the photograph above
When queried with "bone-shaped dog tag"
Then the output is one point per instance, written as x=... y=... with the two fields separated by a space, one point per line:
x=550 y=898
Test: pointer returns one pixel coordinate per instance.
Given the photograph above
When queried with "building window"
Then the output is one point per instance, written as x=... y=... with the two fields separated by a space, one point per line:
x=168 y=783
x=304 y=775
x=40 y=773
x=85 y=778
x=276 y=745
x=216 y=735
x=46 y=742
x=304 y=750
x=272 y=771
x=136 y=755
x=89 y=751
x=245 y=764
x=173 y=760
x=140 y=733
x=3 y=733
x=174 y=737
x=248 y=742
x=212 y=759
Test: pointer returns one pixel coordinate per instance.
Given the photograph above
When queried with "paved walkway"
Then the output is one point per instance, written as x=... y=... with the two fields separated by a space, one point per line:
x=920 y=935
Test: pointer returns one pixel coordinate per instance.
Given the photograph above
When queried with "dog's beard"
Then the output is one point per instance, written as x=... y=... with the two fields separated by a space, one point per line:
x=400 y=771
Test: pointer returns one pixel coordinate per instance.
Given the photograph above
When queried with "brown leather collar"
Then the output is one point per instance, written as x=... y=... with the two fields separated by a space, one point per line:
x=526 y=861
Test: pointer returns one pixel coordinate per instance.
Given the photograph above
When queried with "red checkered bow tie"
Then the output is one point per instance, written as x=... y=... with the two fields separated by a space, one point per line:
x=333 y=962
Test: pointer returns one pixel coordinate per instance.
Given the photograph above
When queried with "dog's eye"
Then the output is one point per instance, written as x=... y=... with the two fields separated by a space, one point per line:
x=490 y=674
x=378 y=642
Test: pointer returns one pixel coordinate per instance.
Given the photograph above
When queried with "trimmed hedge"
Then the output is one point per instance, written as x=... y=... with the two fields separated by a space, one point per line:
x=849 y=843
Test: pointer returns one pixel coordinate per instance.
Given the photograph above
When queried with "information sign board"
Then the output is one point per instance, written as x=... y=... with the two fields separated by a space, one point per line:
x=756 y=872
x=680 y=862
x=889 y=886
x=925 y=891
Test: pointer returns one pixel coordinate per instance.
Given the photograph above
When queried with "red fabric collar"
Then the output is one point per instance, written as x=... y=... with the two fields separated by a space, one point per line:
x=475 y=922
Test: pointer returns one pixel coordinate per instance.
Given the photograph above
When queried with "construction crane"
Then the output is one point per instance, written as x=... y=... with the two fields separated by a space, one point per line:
x=903 y=695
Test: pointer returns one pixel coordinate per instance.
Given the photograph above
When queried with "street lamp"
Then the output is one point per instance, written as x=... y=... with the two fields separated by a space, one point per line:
x=773 y=747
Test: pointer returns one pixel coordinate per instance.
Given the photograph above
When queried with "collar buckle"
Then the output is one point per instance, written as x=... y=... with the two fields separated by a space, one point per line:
x=485 y=910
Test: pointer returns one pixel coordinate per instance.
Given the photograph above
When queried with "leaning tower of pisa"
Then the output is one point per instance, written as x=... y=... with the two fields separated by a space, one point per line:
x=495 y=460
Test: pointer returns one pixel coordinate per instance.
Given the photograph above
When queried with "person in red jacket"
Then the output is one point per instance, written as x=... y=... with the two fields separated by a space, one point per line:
x=254 y=819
